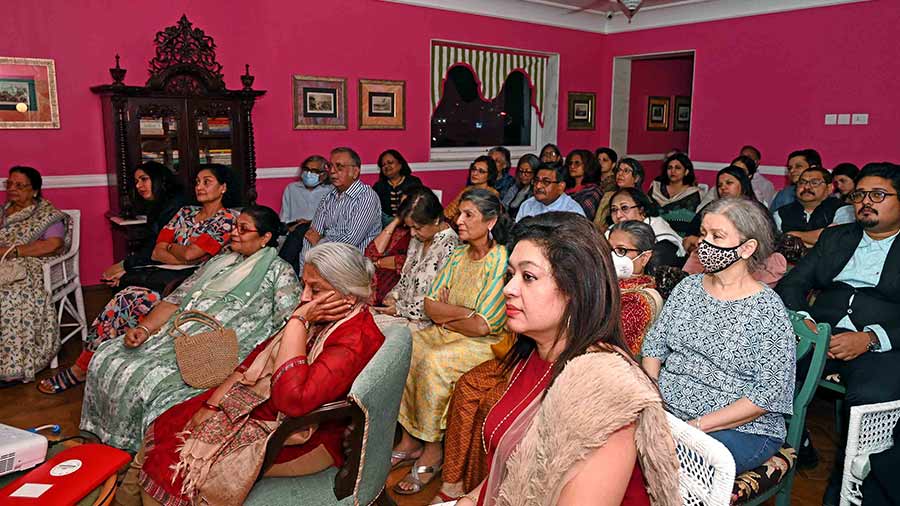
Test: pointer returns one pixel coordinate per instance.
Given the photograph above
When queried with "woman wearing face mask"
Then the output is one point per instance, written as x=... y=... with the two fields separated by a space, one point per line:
x=722 y=349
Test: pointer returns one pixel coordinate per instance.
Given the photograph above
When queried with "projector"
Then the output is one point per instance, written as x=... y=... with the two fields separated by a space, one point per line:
x=20 y=449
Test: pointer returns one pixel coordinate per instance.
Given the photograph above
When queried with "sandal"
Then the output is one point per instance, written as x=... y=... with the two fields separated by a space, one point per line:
x=398 y=459
x=59 y=382
x=416 y=482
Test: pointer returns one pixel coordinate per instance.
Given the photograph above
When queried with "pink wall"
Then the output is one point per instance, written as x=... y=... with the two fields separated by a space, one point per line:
x=769 y=81
x=348 y=38
x=657 y=78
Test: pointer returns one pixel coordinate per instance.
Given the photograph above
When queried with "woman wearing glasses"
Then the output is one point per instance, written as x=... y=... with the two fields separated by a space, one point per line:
x=631 y=204
x=249 y=289
x=627 y=173
x=395 y=180
x=32 y=231
x=482 y=174
x=522 y=190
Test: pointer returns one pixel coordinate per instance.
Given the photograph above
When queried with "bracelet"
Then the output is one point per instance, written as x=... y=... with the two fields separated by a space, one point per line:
x=698 y=423
x=300 y=318
x=213 y=407
x=169 y=247
x=470 y=314
x=145 y=329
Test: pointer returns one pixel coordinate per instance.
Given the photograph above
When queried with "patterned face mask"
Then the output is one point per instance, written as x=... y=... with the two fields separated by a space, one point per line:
x=716 y=258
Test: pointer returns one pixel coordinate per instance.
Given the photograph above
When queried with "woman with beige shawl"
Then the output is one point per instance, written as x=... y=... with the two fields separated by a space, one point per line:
x=579 y=422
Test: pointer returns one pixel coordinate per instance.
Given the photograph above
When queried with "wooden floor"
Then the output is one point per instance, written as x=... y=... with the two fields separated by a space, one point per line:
x=23 y=406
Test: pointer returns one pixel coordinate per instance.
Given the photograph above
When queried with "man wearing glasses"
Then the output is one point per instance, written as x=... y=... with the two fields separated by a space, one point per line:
x=350 y=212
x=814 y=209
x=549 y=193
x=797 y=162
x=299 y=203
x=856 y=269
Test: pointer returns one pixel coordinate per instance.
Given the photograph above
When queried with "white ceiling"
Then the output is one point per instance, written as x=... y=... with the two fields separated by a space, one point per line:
x=607 y=16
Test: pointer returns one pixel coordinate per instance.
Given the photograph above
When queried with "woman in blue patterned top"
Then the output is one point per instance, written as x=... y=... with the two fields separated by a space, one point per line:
x=723 y=348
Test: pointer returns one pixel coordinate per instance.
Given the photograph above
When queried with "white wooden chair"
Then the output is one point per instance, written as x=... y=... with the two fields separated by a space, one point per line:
x=870 y=431
x=706 y=474
x=61 y=280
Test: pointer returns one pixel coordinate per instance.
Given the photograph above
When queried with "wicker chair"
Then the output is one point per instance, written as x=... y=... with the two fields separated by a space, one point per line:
x=870 y=431
x=706 y=473
x=61 y=279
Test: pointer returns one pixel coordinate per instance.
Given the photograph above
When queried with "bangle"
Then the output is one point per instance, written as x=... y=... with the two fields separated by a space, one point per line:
x=169 y=247
x=145 y=329
x=213 y=407
x=300 y=318
x=698 y=423
x=470 y=314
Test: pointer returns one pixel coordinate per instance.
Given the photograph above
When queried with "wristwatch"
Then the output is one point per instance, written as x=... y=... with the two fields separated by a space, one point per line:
x=874 y=342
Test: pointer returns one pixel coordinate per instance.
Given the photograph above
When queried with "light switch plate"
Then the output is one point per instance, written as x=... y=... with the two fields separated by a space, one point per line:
x=843 y=119
x=831 y=119
x=860 y=118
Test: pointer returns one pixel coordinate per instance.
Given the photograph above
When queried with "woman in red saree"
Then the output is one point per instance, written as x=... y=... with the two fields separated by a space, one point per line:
x=579 y=422
x=209 y=449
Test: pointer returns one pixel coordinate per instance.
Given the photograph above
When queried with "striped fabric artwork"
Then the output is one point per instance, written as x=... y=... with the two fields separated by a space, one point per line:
x=491 y=68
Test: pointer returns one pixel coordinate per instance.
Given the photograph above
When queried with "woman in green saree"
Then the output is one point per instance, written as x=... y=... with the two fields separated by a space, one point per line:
x=249 y=289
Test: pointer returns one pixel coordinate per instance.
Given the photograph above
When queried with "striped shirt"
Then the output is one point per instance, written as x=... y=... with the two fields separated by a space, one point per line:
x=352 y=216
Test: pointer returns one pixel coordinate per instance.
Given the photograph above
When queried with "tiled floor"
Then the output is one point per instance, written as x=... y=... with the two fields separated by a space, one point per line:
x=24 y=406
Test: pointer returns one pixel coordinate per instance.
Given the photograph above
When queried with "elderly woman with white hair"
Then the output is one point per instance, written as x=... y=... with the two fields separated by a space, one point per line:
x=210 y=448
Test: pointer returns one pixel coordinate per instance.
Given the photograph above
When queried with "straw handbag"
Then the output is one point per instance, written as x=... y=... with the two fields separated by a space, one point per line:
x=10 y=272
x=205 y=359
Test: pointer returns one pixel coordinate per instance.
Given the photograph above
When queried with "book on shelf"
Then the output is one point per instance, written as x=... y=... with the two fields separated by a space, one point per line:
x=222 y=156
x=218 y=125
x=152 y=126
x=153 y=156
x=172 y=124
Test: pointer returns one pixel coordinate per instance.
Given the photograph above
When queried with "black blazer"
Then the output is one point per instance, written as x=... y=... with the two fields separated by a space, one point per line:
x=816 y=271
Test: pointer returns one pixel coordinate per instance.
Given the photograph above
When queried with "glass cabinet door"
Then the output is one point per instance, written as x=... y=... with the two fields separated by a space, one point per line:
x=214 y=135
x=159 y=140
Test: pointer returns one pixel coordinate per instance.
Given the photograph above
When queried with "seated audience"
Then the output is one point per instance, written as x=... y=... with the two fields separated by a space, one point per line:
x=466 y=304
x=582 y=178
x=550 y=153
x=395 y=180
x=549 y=193
x=628 y=173
x=855 y=268
x=762 y=187
x=676 y=193
x=844 y=175
x=733 y=183
x=632 y=204
x=32 y=232
x=209 y=449
x=476 y=392
x=132 y=380
x=572 y=376
x=606 y=159
x=797 y=162
x=299 y=204
x=351 y=212
x=192 y=236
x=388 y=253
x=521 y=191
x=722 y=349
x=160 y=200
x=814 y=209
x=482 y=175
x=430 y=247
x=502 y=159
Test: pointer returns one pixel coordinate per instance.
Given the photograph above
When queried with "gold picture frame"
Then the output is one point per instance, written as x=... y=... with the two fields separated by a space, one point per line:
x=28 y=93
x=658 y=113
x=382 y=104
x=320 y=103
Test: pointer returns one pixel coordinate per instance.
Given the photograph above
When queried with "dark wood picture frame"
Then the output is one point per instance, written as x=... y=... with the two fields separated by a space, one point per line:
x=658 y=113
x=382 y=104
x=582 y=110
x=681 y=117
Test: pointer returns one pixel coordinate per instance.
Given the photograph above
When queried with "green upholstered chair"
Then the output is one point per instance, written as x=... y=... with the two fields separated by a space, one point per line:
x=371 y=408
x=756 y=486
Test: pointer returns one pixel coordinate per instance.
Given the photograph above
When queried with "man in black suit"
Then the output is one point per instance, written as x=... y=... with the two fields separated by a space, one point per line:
x=856 y=269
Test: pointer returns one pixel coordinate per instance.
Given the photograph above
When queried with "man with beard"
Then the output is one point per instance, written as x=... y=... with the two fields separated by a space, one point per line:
x=856 y=269
x=814 y=209
x=549 y=193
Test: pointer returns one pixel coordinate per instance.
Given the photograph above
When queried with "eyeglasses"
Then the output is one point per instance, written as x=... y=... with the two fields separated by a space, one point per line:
x=544 y=182
x=314 y=171
x=243 y=229
x=875 y=196
x=479 y=170
x=624 y=208
x=621 y=252
x=812 y=183
x=339 y=166
x=624 y=170
x=18 y=186
x=525 y=172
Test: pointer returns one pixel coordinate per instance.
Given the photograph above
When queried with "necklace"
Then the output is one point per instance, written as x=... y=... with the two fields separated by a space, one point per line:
x=486 y=440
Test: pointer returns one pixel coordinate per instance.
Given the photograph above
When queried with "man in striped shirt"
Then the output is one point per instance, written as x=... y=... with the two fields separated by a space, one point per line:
x=351 y=212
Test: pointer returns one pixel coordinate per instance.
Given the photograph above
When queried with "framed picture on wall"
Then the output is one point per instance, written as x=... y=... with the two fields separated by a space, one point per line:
x=582 y=108
x=28 y=93
x=658 y=113
x=682 y=119
x=320 y=103
x=382 y=104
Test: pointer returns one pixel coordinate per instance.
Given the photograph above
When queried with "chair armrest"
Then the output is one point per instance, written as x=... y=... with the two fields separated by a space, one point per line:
x=860 y=467
x=345 y=480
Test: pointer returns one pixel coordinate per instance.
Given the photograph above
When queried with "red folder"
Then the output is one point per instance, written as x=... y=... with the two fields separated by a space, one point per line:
x=66 y=478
